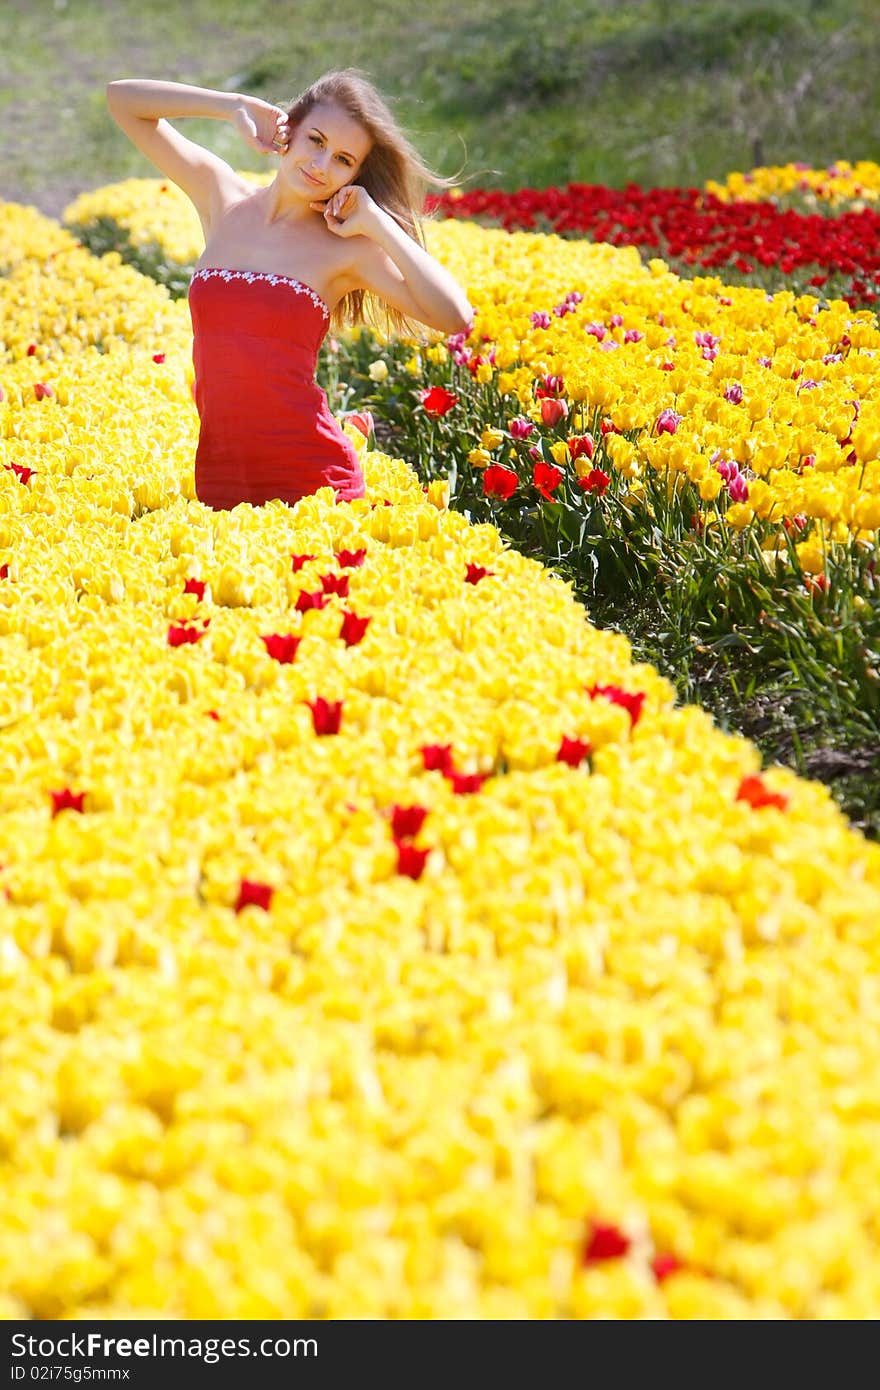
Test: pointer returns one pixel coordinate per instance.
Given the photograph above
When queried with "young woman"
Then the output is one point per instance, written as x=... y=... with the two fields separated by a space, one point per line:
x=334 y=240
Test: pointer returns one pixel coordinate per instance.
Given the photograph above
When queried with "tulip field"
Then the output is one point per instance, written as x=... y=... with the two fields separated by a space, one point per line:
x=378 y=937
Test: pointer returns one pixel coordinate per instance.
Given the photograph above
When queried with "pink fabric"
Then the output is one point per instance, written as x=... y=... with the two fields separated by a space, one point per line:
x=266 y=430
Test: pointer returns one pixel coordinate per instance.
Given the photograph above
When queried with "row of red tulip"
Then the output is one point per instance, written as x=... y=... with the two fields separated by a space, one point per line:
x=694 y=228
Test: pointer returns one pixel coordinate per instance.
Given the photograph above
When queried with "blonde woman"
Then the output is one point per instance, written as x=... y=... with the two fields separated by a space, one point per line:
x=334 y=240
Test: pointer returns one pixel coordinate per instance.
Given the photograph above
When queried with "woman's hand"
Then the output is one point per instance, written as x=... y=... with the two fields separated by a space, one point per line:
x=350 y=212
x=259 y=124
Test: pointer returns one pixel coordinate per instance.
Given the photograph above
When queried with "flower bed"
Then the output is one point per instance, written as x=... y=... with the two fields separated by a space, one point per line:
x=376 y=938
x=698 y=494
x=838 y=185
x=693 y=230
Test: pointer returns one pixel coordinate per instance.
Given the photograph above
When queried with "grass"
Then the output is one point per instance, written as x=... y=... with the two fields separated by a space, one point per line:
x=653 y=91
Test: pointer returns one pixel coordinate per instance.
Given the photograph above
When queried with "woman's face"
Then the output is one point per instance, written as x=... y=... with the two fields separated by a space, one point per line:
x=326 y=151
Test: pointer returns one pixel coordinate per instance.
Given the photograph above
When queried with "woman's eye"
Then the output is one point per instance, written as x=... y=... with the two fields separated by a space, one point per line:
x=316 y=140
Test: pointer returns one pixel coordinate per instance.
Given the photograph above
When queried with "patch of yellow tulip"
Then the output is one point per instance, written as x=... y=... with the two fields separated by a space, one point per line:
x=638 y=988
x=841 y=182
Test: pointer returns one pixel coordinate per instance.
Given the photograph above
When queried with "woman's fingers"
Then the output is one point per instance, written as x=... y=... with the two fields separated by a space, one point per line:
x=281 y=132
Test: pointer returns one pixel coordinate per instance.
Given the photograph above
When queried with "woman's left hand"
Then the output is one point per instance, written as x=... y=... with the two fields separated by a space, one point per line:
x=350 y=212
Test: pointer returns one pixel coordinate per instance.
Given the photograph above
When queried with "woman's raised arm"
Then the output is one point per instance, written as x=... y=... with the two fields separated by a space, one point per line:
x=138 y=106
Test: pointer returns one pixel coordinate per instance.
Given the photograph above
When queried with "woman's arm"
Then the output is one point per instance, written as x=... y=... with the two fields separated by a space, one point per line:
x=392 y=265
x=138 y=105
x=140 y=96
x=395 y=263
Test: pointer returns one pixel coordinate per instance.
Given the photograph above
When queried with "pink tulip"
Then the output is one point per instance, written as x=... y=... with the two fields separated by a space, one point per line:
x=738 y=489
x=520 y=427
x=668 y=421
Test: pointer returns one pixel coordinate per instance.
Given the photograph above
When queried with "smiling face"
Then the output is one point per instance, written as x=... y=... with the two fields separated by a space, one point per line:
x=326 y=151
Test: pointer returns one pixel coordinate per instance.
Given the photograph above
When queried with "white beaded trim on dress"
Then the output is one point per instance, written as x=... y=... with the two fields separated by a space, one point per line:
x=274 y=279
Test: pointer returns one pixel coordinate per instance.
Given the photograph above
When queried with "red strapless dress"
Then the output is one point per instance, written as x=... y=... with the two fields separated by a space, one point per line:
x=266 y=429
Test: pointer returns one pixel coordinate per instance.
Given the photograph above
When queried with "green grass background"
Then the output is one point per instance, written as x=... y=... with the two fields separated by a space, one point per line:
x=519 y=92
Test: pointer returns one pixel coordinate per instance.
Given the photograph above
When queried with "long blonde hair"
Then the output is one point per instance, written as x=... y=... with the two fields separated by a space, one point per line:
x=393 y=173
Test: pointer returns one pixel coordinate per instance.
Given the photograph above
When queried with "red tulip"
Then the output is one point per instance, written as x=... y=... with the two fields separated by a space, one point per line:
x=581 y=445
x=546 y=478
x=181 y=633
x=252 y=894
x=326 y=715
x=351 y=559
x=361 y=420
x=281 y=646
x=411 y=861
x=353 y=628
x=66 y=800
x=662 y=1266
x=499 y=481
x=631 y=700
x=605 y=1243
x=595 y=481
x=573 y=751
x=407 y=821
x=437 y=757
x=553 y=410
x=475 y=573
x=22 y=473
x=305 y=601
x=335 y=584
x=753 y=790
x=437 y=401
x=463 y=783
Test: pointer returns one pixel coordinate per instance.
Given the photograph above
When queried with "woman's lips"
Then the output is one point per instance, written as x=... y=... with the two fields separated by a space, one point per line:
x=311 y=180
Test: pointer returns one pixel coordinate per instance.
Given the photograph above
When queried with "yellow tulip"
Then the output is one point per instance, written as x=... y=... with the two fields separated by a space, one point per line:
x=866 y=439
x=491 y=438
x=479 y=458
